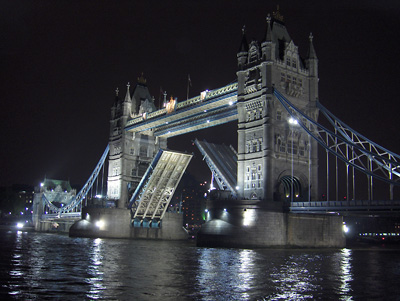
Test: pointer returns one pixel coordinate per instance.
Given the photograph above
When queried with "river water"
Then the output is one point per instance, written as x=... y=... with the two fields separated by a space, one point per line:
x=37 y=266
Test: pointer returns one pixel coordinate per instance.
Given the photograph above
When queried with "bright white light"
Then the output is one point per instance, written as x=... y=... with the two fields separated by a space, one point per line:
x=345 y=229
x=230 y=103
x=208 y=121
x=20 y=225
x=99 y=224
x=237 y=187
x=206 y=210
x=293 y=121
x=249 y=217
x=41 y=184
x=99 y=196
x=224 y=209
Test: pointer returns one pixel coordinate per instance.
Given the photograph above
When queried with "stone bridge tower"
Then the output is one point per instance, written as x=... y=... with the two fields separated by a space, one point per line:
x=277 y=160
x=130 y=153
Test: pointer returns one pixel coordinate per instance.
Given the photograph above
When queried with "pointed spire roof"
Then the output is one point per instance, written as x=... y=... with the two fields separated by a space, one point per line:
x=128 y=93
x=268 y=36
x=244 y=46
x=311 y=51
x=116 y=96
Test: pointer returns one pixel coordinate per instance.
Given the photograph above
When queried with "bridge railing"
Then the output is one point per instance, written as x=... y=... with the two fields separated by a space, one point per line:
x=64 y=215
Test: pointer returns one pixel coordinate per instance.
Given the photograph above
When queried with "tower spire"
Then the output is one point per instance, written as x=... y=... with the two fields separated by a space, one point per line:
x=268 y=36
x=116 y=97
x=311 y=50
x=243 y=50
x=128 y=93
x=244 y=46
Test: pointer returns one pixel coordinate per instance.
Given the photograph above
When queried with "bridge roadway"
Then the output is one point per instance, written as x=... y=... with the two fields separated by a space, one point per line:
x=360 y=206
x=211 y=108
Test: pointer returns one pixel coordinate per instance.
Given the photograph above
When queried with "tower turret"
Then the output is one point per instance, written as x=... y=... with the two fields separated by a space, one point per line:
x=267 y=46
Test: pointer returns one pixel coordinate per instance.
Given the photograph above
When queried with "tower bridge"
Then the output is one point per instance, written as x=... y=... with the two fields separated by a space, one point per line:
x=275 y=102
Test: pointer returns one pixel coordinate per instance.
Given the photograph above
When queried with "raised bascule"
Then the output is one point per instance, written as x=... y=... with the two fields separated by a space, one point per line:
x=265 y=187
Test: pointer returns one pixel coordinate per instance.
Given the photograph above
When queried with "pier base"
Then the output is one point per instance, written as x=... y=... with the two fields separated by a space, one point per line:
x=116 y=223
x=248 y=224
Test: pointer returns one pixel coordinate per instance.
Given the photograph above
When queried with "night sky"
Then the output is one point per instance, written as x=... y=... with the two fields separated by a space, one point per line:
x=61 y=61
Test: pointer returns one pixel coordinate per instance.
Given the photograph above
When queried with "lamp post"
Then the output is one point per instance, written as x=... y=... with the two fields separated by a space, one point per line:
x=292 y=122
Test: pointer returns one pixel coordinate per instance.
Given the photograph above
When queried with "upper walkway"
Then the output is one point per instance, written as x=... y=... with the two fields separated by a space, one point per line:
x=210 y=108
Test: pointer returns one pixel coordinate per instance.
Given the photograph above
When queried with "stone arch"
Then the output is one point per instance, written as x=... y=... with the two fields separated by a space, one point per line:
x=284 y=184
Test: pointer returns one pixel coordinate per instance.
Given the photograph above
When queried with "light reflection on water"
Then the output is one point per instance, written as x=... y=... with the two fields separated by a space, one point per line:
x=95 y=279
x=346 y=274
x=45 y=266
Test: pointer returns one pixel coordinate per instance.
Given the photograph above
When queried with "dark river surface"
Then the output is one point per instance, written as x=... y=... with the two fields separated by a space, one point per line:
x=38 y=266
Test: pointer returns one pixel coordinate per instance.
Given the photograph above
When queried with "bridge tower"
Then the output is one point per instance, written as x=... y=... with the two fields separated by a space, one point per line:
x=277 y=160
x=130 y=152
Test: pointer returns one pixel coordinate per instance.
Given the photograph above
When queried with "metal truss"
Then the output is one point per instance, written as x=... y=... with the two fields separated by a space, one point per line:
x=222 y=181
x=346 y=144
x=159 y=189
x=77 y=200
x=141 y=188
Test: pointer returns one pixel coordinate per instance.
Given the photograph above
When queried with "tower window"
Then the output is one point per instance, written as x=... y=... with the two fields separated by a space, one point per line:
x=143 y=151
x=292 y=148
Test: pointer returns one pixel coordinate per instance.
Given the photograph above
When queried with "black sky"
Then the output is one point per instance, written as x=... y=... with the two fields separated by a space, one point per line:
x=61 y=62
